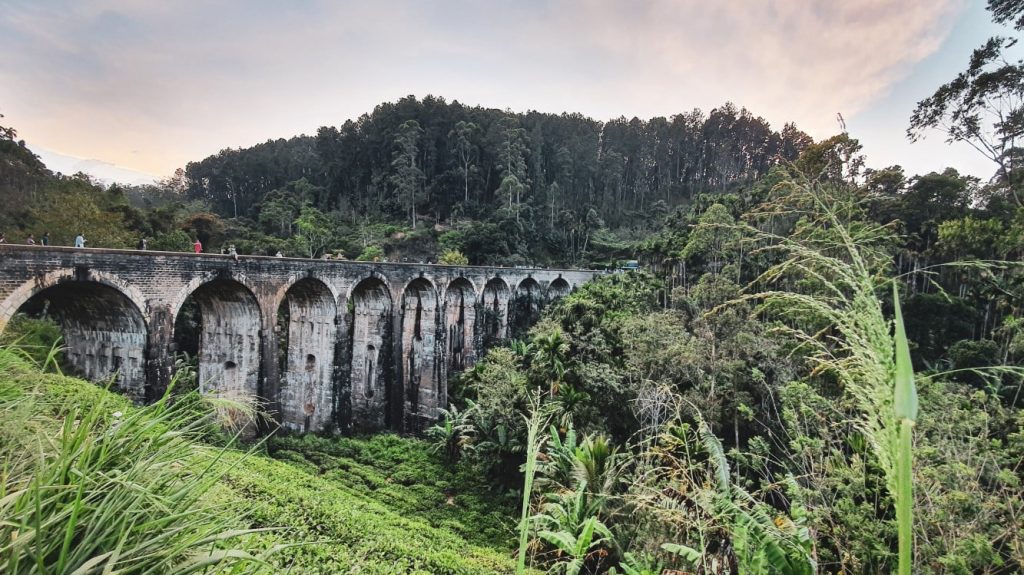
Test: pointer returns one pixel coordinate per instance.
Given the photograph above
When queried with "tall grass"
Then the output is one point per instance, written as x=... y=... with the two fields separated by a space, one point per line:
x=91 y=484
x=831 y=271
x=534 y=441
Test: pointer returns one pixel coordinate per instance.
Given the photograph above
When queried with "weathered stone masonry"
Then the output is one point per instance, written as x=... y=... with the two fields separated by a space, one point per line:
x=368 y=345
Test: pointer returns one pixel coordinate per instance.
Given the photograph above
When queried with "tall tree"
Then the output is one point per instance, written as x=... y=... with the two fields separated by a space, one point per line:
x=462 y=138
x=407 y=177
x=314 y=228
x=984 y=105
x=512 y=161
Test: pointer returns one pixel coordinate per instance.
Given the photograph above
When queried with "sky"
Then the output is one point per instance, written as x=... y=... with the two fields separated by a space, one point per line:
x=138 y=89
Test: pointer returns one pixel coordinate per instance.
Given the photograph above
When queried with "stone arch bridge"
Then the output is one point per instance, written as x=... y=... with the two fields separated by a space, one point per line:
x=327 y=345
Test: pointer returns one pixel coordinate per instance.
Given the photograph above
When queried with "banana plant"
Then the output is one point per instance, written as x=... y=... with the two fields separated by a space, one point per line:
x=453 y=433
x=577 y=545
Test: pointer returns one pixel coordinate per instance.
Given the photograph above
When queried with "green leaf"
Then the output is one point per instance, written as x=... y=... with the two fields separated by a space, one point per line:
x=905 y=397
x=585 y=538
x=687 y=553
x=564 y=541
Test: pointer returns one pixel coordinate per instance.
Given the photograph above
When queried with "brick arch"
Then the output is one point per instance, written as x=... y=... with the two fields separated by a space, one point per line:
x=282 y=291
x=463 y=284
x=494 y=304
x=10 y=305
x=374 y=276
x=460 y=310
x=229 y=336
x=558 y=288
x=420 y=366
x=524 y=308
x=101 y=318
x=198 y=282
x=306 y=394
x=370 y=308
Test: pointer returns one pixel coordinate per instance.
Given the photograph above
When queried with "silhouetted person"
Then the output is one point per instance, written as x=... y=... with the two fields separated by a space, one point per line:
x=80 y=241
x=30 y=240
x=198 y=246
x=45 y=240
x=232 y=252
x=3 y=238
x=142 y=244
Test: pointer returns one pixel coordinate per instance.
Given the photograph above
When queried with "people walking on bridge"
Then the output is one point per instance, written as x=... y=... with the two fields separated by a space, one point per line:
x=197 y=246
x=3 y=238
x=233 y=252
x=142 y=244
x=80 y=241
x=45 y=239
x=30 y=240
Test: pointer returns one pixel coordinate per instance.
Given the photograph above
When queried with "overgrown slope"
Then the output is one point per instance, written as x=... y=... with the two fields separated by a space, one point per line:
x=380 y=505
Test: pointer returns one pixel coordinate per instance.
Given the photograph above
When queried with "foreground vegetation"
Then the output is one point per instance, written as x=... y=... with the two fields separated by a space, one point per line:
x=92 y=484
x=771 y=427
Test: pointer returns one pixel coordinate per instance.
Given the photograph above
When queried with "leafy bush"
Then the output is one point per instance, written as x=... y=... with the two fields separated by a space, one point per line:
x=371 y=254
x=173 y=241
x=453 y=258
x=969 y=354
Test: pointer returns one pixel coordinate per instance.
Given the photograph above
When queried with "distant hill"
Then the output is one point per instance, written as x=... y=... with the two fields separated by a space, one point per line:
x=432 y=158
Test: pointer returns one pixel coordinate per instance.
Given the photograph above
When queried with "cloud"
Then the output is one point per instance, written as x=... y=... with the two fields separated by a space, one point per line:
x=173 y=82
x=790 y=59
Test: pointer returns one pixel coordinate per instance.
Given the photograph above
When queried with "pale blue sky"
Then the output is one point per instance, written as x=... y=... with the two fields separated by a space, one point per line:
x=151 y=86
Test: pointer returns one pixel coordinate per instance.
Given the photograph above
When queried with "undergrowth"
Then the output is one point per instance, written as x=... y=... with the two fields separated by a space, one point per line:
x=90 y=481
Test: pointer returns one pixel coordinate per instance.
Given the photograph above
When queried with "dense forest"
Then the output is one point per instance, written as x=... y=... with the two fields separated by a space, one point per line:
x=497 y=186
x=818 y=369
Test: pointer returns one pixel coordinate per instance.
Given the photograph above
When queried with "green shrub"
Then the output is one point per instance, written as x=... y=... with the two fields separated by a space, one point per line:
x=969 y=354
x=371 y=254
x=453 y=258
x=173 y=241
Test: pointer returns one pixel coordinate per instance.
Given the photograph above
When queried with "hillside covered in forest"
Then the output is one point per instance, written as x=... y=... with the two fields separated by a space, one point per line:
x=812 y=368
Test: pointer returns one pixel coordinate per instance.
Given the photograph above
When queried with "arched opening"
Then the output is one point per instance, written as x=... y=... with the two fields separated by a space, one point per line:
x=370 y=372
x=104 y=332
x=218 y=327
x=558 y=289
x=419 y=354
x=525 y=308
x=460 y=320
x=305 y=332
x=494 y=311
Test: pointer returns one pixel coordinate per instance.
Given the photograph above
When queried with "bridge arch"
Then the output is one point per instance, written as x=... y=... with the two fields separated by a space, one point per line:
x=557 y=289
x=306 y=333
x=420 y=379
x=494 y=302
x=460 y=321
x=198 y=281
x=525 y=307
x=369 y=308
x=102 y=320
x=218 y=323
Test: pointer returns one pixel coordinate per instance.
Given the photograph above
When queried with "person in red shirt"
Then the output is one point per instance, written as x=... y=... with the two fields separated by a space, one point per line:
x=198 y=247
